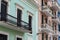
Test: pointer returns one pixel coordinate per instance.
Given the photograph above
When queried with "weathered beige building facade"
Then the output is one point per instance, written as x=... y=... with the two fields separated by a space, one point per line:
x=48 y=19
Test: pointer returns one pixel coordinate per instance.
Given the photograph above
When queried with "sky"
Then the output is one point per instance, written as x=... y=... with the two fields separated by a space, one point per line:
x=59 y=1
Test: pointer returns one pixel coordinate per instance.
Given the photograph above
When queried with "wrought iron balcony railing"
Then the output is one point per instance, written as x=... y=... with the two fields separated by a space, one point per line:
x=13 y=21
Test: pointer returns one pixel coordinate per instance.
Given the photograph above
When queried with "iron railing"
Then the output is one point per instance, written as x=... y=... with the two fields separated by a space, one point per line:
x=13 y=20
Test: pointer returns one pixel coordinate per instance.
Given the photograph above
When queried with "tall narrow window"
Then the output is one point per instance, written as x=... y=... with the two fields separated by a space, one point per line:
x=42 y=36
x=3 y=37
x=55 y=27
x=42 y=2
x=46 y=20
x=42 y=19
x=30 y=22
x=19 y=16
x=55 y=14
x=3 y=10
x=59 y=27
x=46 y=37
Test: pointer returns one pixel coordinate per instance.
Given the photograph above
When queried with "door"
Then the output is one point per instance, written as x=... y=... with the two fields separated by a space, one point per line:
x=3 y=10
x=30 y=22
x=19 y=16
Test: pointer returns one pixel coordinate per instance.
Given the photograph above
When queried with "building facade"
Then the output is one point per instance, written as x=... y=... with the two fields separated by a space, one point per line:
x=59 y=32
x=29 y=20
x=48 y=20
x=59 y=26
x=18 y=20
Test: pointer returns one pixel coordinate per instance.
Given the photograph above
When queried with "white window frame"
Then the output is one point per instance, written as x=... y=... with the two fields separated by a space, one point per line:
x=5 y=33
x=7 y=5
x=18 y=7
x=29 y=13
x=18 y=36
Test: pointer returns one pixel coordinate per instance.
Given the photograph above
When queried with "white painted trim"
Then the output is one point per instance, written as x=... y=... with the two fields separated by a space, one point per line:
x=5 y=33
x=29 y=13
x=19 y=7
x=19 y=37
x=29 y=34
x=7 y=5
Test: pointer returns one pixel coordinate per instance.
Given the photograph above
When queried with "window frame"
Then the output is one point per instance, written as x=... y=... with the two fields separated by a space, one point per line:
x=18 y=7
x=30 y=14
x=59 y=28
x=5 y=33
x=18 y=36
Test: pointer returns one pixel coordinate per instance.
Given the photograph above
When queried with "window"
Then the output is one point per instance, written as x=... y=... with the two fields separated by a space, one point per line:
x=42 y=36
x=3 y=37
x=53 y=38
x=46 y=20
x=4 y=13
x=30 y=23
x=59 y=27
x=46 y=37
x=53 y=25
x=19 y=38
x=58 y=14
x=42 y=19
x=19 y=16
x=42 y=2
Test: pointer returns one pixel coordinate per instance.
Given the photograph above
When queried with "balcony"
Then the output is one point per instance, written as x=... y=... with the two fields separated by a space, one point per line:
x=56 y=19
x=46 y=11
x=55 y=6
x=46 y=28
x=11 y=23
x=55 y=34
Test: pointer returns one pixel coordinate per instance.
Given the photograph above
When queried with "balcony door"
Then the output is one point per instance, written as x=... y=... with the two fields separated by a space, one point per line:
x=19 y=16
x=3 y=37
x=30 y=23
x=3 y=10
x=44 y=19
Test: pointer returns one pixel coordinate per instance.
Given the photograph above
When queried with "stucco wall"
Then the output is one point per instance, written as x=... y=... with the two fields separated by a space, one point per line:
x=12 y=33
x=27 y=7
